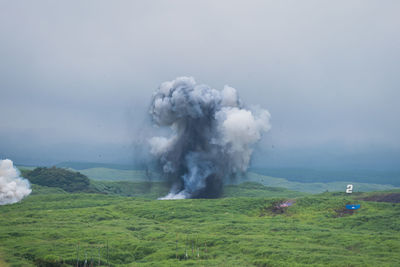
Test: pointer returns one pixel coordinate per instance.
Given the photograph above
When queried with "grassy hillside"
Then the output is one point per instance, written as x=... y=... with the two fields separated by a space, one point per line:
x=253 y=189
x=52 y=229
x=151 y=190
x=155 y=190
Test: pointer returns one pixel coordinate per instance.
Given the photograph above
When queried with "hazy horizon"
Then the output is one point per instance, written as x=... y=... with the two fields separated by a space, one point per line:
x=76 y=78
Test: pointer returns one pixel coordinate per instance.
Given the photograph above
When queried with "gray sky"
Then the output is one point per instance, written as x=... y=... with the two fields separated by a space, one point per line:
x=76 y=77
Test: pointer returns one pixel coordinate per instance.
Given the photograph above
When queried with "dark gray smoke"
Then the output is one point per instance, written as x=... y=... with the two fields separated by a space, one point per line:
x=212 y=136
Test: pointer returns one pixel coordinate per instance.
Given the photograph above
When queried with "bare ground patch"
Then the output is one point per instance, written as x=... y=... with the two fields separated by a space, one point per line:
x=389 y=197
x=2 y=262
x=277 y=208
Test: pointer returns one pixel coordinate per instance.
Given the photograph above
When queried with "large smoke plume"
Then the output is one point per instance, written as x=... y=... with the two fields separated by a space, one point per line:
x=212 y=136
x=12 y=187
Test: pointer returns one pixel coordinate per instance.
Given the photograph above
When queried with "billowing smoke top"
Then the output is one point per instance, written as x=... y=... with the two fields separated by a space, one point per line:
x=212 y=136
x=12 y=187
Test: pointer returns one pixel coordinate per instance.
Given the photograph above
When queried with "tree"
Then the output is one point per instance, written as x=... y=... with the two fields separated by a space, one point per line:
x=57 y=177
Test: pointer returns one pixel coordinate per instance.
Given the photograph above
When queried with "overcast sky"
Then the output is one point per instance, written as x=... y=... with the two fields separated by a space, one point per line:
x=76 y=77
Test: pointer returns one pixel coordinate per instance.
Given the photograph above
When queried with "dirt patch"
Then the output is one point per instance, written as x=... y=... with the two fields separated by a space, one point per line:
x=2 y=262
x=390 y=197
x=277 y=207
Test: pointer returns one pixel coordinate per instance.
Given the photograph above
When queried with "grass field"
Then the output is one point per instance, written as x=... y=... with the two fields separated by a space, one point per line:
x=52 y=228
x=124 y=225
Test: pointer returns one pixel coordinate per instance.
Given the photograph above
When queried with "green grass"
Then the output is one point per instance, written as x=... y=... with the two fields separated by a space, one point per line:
x=45 y=190
x=149 y=190
x=45 y=229
x=253 y=189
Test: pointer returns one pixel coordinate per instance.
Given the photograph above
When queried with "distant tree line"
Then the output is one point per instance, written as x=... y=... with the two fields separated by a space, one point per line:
x=57 y=177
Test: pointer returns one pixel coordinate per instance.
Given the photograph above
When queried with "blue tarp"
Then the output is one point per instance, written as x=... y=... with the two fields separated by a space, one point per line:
x=353 y=206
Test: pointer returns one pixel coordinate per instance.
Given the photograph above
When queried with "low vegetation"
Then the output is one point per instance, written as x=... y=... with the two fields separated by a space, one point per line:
x=253 y=189
x=63 y=229
x=63 y=223
x=150 y=190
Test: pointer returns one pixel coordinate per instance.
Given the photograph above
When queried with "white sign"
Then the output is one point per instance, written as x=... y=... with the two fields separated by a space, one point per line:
x=349 y=189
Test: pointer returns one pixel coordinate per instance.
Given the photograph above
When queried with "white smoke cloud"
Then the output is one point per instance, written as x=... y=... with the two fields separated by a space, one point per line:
x=213 y=135
x=13 y=188
x=239 y=129
x=160 y=145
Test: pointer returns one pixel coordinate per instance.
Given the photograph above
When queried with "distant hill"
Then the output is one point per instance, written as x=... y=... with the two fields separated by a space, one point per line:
x=88 y=165
x=327 y=176
x=107 y=174
x=302 y=180
x=99 y=171
x=315 y=187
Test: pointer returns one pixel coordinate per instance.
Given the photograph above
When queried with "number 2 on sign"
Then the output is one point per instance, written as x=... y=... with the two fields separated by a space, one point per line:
x=349 y=189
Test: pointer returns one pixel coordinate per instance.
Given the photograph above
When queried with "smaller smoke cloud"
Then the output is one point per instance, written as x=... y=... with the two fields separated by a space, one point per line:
x=13 y=188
